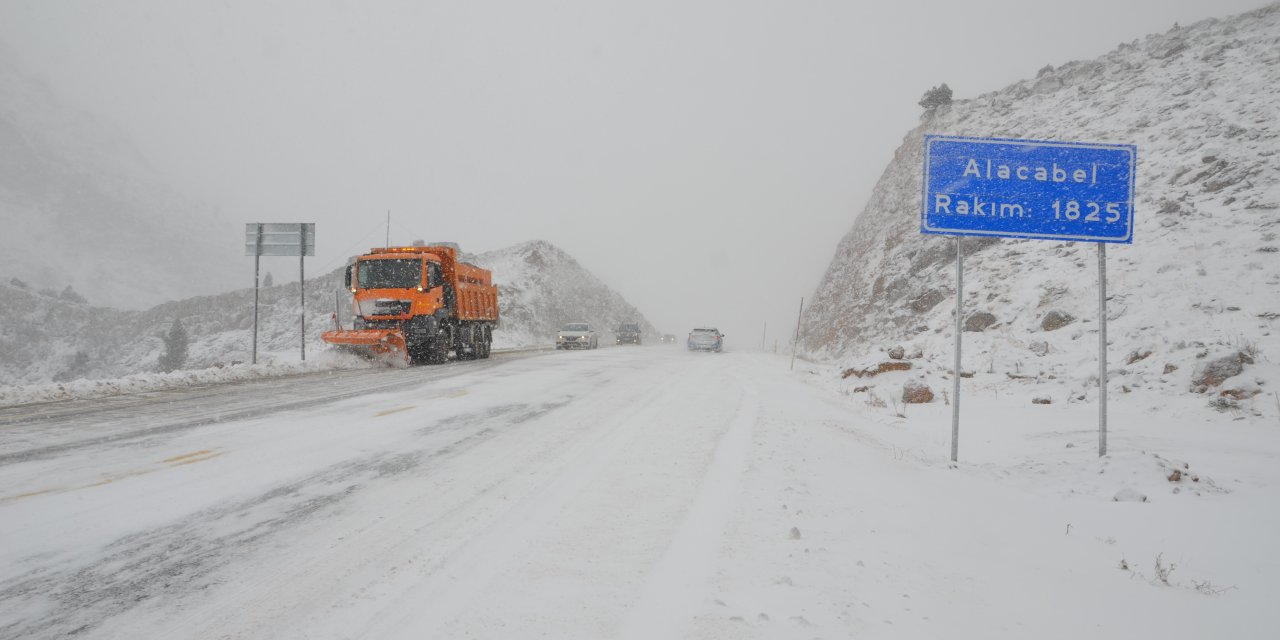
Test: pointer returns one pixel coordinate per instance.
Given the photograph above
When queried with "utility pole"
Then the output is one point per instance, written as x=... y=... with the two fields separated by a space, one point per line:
x=796 y=343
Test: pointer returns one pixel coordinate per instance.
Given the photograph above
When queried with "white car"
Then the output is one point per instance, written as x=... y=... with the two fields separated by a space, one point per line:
x=706 y=339
x=577 y=335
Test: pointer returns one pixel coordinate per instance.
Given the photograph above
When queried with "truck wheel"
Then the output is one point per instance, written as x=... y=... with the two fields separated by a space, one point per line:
x=468 y=346
x=436 y=349
x=415 y=349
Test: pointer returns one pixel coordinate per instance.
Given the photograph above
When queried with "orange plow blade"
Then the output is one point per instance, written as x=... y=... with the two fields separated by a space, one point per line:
x=382 y=343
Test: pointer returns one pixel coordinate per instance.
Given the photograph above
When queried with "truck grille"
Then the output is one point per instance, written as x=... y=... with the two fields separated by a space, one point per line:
x=384 y=307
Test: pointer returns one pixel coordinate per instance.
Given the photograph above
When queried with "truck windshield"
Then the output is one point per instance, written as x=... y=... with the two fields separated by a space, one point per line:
x=389 y=274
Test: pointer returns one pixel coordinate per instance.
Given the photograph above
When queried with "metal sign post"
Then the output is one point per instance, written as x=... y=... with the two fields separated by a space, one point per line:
x=280 y=239
x=955 y=384
x=257 y=260
x=1036 y=189
x=1102 y=349
x=302 y=294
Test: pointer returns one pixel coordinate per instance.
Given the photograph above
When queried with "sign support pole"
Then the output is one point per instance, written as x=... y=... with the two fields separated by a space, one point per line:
x=302 y=291
x=955 y=383
x=796 y=342
x=257 y=259
x=279 y=239
x=1102 y=349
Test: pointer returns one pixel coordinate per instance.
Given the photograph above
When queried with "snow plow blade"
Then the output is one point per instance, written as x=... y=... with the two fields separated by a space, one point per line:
x=388 y=344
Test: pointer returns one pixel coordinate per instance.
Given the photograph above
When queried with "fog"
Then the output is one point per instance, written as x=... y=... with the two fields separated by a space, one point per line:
x=703 y=159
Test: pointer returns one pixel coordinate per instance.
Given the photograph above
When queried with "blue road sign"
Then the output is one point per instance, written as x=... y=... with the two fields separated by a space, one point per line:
x=1028 y=189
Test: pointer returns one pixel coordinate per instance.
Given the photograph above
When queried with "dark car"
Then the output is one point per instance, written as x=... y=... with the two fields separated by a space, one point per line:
x=628 y=334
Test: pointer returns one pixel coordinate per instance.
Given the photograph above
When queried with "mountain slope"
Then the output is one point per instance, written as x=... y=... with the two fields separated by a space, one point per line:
x=541 y=288
x=82 y=209
x=45 y=337
x=1202 y=104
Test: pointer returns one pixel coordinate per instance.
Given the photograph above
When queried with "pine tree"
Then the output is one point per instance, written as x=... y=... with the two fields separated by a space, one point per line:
x=936 y=97
x=175 y=347
x=268 y=281
x=70 y=295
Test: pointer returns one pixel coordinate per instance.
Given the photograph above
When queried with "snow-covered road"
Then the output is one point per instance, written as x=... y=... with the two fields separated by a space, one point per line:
x=626 y=492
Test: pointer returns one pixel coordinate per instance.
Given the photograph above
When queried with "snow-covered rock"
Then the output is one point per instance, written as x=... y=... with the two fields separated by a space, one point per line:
x=1202 y=104
x=540 y=288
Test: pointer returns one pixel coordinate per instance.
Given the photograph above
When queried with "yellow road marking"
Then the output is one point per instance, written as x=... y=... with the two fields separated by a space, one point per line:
x=28 y=495
x=391 y=411
x=176 y=461
x=187 y=455
x=191 y=460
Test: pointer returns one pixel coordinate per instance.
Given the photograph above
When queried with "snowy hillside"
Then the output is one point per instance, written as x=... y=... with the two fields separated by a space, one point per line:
x=123 y=238
x=48 y=338
x=541 y=287
x=1200 y=284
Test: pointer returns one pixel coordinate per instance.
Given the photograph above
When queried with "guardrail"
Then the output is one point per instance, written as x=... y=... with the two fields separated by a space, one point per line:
x=525 y=349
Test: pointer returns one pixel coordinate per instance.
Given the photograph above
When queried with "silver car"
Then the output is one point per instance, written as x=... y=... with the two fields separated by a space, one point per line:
x=577 y=335
x=706 y=339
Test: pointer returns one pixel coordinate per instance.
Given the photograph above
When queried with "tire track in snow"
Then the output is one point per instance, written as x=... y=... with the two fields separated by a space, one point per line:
x=455 y=584
x=183 y=559
x=54 y=429
x=673 y=590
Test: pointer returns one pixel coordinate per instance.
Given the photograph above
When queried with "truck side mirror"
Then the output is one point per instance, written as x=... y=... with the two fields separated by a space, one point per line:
x=347 y=280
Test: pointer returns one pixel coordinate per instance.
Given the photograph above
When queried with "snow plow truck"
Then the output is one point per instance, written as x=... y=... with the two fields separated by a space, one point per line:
x=417 y=304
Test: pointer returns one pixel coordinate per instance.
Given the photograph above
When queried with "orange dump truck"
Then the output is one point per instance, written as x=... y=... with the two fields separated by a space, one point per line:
x=417 y=304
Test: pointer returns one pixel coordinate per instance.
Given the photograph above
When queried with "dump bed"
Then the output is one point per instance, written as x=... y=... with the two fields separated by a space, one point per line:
x=477 y=296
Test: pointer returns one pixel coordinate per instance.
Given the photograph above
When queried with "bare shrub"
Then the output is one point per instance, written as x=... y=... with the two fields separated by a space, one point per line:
x=1162 y=571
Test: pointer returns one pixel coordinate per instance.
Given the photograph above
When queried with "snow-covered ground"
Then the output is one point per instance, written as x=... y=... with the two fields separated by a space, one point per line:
x=631 y=493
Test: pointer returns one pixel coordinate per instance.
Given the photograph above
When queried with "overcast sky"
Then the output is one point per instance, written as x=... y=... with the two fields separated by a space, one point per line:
x=702 y=158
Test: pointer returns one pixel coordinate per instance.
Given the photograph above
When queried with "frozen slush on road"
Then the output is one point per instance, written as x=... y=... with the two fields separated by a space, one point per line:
x=727 y=498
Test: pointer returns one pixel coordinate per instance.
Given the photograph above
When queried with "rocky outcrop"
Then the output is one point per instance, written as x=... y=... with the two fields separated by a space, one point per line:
x=1216 y=371
x=915 y=392
x=1199 y=104
x=1054 y=320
